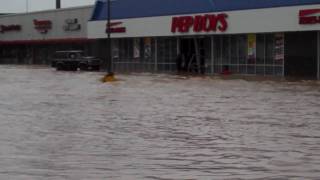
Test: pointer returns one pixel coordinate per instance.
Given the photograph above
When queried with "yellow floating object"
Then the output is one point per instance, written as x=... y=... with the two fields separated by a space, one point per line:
x=109 y=78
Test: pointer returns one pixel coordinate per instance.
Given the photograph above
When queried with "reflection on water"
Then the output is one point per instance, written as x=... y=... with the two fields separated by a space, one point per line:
x=66 y=125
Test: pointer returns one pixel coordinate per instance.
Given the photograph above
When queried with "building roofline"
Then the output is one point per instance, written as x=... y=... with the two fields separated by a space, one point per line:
x=47 y=11
x=202 y=12
x=152 y=8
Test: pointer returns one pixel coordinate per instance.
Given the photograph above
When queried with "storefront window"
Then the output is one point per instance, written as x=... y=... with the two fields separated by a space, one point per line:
x=147 y=54
x=122 y=53
x=205 y=52
x=242 y=43
x=167 y=54
x=217 y=54
x=134 y=55
x=234 y=50
x=226 y=47
x=260 y=66
x=249 y=54
x=125 y=49
x=240 y=54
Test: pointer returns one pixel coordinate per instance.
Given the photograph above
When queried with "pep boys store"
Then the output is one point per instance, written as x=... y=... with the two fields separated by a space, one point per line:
x=274 y=37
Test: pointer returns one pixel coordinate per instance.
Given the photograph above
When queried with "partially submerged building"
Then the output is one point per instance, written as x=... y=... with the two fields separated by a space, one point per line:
x=266 y=37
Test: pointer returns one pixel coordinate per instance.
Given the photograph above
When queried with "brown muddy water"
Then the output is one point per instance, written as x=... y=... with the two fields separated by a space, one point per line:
x=69 y=126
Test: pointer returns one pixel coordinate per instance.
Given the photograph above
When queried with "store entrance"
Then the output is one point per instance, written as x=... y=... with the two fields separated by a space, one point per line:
x=191 y=57
x=301 y=54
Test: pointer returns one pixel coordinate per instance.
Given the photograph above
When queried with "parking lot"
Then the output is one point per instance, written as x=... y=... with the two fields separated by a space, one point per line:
x=70 y=126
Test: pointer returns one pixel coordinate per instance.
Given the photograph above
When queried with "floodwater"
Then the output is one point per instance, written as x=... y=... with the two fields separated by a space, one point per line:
x=69 y=126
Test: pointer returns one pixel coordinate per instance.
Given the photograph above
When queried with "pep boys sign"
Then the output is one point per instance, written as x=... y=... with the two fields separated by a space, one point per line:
x=200 y=23
x=309 y=16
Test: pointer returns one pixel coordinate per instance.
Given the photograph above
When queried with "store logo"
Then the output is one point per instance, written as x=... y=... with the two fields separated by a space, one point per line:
x=43 y=26
x=72 y=25
x=309 y=16
x=114 y=29
x=7 y=28
x=200 y=23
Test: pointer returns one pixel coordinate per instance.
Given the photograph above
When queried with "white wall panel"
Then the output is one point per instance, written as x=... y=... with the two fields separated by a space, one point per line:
x=57 y=17
x=280 y=19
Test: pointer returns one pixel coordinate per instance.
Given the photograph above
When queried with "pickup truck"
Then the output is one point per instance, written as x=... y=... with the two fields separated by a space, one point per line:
x=74 y=60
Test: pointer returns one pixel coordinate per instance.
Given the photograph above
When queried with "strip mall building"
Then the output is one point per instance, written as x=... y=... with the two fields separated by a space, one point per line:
x=265 y=37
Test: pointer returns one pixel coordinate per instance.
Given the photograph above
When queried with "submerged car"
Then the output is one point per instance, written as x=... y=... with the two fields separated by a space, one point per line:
x=74 y=60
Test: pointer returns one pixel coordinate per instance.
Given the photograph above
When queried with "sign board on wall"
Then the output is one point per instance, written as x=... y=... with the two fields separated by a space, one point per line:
x=9 y=28
x=309 y=16
x=72 y=25
x=31 y=31
x=200 y=23
x=114 y=28
x=42 y=26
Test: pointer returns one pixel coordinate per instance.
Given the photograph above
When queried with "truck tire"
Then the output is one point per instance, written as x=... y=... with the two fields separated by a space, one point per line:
x=59 y=67
x=73 y=68
x=95 y=68
x=83 y=67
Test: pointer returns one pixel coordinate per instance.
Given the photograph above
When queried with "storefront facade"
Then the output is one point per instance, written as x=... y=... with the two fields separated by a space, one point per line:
x=269 y=38
x=32 y=38
x=279 y=38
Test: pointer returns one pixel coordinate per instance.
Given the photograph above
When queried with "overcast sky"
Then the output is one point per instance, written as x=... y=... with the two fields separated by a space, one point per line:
x=14 y=6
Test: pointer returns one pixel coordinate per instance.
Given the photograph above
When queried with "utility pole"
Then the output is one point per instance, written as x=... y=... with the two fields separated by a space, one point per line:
x=110 y=76
x=58 y=4
x=27 y=6
x=109 y=51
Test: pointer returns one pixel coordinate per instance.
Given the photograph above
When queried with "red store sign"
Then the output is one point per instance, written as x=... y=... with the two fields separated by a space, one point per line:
x=7 y=28
x=114 y=29
x=309 y=16
x=43 y=26
x=200 y=23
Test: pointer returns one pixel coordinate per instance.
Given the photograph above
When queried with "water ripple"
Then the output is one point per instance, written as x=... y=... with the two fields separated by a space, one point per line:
x=67 y=125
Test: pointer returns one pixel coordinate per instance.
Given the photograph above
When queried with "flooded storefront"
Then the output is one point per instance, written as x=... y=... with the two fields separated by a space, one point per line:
x=268 y=39
x=274 y=38
x=253 y=54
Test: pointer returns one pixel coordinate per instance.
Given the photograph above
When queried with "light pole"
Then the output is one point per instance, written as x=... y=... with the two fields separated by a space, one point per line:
x=110 y=75
x=27 y=6
x=109 y=51
x=58 y=4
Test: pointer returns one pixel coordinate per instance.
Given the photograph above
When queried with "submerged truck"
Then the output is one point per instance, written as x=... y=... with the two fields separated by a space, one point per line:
x=74 y=60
